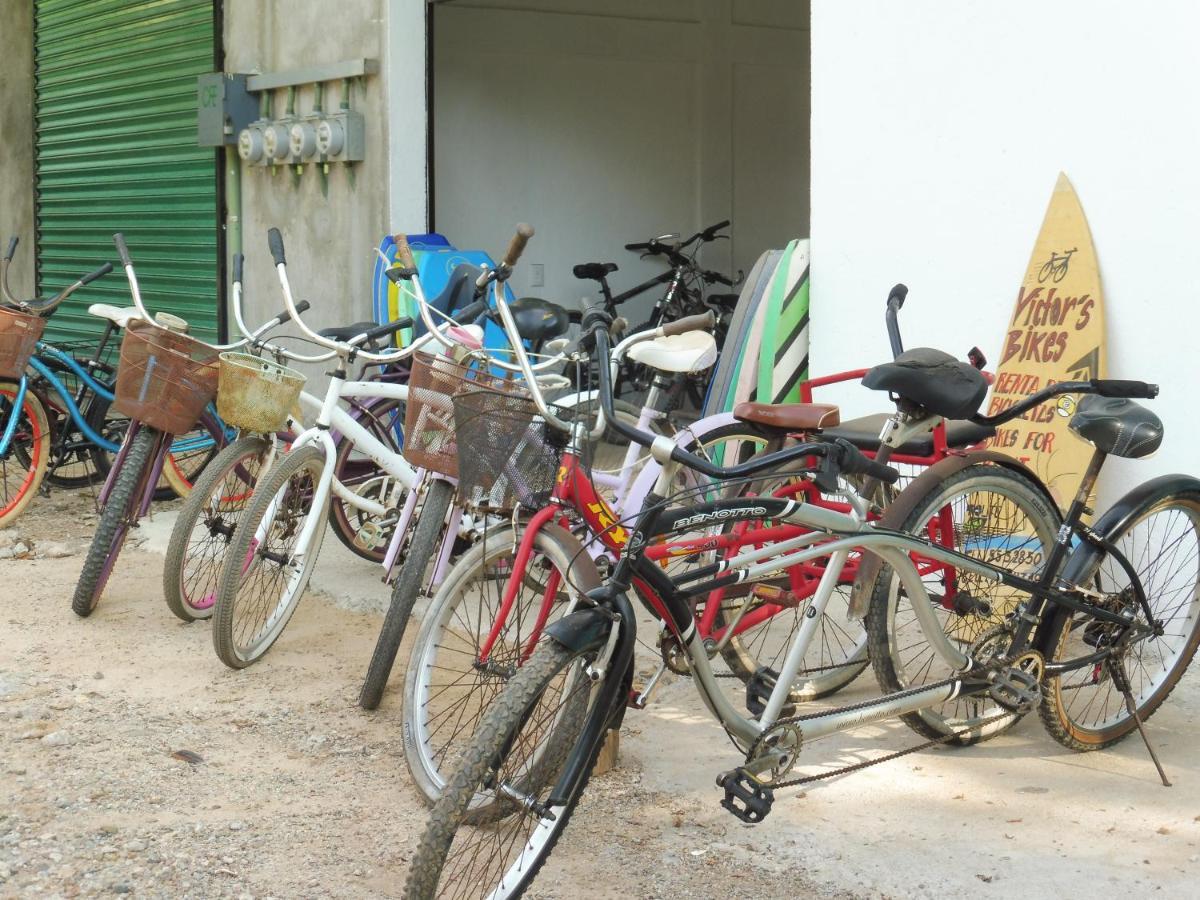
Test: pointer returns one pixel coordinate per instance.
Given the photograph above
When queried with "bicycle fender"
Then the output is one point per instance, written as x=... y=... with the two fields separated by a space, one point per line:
x=644 y=483
x=1121 y=515
x=895 y=515
x=584 y=629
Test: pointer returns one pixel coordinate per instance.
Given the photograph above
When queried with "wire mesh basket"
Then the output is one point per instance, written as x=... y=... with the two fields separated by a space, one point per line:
x=19 y=334
x=164 y=379
x=256 y=394
x=510 y=454
x=429 y=433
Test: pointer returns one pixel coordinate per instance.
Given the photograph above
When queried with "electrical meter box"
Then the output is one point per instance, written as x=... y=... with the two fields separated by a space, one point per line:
x=224 y=107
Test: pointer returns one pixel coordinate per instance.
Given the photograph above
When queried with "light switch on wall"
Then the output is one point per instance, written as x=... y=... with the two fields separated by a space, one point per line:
x=538 y=271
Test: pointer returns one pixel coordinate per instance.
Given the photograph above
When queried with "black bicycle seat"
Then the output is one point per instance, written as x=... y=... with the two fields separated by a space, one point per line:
x=933 y=380
x=594 y=271
x=539 y=320
x=346 y=332
x=1118 y=426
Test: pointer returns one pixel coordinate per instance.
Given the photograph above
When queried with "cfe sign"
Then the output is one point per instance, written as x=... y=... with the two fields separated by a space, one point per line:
x=1056 y=334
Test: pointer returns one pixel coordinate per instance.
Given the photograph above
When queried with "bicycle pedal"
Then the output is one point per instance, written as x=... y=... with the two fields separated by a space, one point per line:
x=758 y=692
x=745 y=797
x=1016 y=690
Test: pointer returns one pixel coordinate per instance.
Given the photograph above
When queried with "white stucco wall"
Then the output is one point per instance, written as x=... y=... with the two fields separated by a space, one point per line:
x=938 y=130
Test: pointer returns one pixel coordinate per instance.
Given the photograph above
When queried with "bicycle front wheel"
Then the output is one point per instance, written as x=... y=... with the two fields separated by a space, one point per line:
x=360 y=531
x=270 y=559
x=996 y=515
x=447 y=690
x=1084 y=708
x=510 y=766
x=23 y=463
x=206 y=526
x=118 y=515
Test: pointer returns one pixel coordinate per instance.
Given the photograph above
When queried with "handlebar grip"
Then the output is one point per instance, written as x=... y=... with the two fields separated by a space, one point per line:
x=852 y=461
x=285 y=316
x=12 y=248
x=711 y=231
x=517 y=245
x=388 y=329
x=717 y=277
x=404 y=252
x=897 y=296
x=122 y=249
x=275 y=243
x=99 y=273
x=1116 y=387
x=238 y=263
x=641 y=245
x=702 y=322
x=470 y=312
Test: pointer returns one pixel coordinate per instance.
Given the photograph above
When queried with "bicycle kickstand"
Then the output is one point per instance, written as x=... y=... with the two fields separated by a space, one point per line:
x=1121 y=680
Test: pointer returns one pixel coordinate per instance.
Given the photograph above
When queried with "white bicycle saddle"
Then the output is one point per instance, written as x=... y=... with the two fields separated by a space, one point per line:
x=693 y=351
x=115 y=314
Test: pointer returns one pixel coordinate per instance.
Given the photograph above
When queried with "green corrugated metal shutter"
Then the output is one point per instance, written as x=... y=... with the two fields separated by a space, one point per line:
x=116 y=151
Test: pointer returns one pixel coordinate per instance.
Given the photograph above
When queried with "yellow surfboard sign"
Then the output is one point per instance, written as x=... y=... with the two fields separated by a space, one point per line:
x=1056 y=334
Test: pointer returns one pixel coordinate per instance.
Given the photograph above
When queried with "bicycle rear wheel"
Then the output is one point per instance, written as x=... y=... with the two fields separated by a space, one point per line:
x=269 y=561
x=509 y=767
x=23 y=464
x=1084 y=709
x=118 y=515
x=206 y=526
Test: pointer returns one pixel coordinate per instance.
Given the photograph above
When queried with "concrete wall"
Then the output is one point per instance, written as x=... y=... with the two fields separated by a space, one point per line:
x=938 y=132
x=16 y=139
x=603 y=123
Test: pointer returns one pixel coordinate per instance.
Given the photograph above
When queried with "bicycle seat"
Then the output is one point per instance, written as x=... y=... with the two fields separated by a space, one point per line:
x=539 y=320
x=864 y=433
x=789 y=416
x=594 y=271
x=344 y=333
x=1118 y=426
x=121 y=317
x=692 y=351
x=931 y=379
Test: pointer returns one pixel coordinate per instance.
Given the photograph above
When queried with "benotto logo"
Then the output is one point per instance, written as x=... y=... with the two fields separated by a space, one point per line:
x=720 y=515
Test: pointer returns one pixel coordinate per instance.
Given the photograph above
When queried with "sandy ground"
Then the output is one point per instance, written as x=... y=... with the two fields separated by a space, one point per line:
x=287 y=789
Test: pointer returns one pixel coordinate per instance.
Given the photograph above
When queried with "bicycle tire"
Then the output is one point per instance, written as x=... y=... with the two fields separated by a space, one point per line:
x=339 y=515
x=1060 y=709
x=245 y=560
x=498 y=739
x=887 y=646
x=437 y=662
x=28 y=466
x=181 y=472
x=193 y=561
x=423 y=547
x=115 y=521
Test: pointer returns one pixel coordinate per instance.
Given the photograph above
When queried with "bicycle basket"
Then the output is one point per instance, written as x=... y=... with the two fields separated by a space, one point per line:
x=429 y=432
x=256 y=394
x=164 y=379
x=19 y=334
x=509 y=458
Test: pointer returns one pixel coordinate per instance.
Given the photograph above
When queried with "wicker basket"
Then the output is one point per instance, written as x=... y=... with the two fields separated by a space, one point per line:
x=510 y=456
x=256 y=394
x=429 y=433
x=19 y=334
x=165 y=379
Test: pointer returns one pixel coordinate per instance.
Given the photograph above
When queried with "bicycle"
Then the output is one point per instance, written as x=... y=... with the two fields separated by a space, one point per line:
x=165 y=381
x=531 y=757
x=1056 y=266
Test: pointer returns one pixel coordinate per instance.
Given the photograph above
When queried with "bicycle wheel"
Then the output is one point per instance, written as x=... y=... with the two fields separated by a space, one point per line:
x=73 y=456
x=266 y=567
x=359 y=531
x=510 y=766
x=985 y=511
x=1083 y=709
x=422 y=548
x=23 y=464
x=206 y=525
x=446 y=690
x=118 y=515
x=190 y=454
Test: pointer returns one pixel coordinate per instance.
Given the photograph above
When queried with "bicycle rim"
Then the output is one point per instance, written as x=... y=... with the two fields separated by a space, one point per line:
x=24 y=465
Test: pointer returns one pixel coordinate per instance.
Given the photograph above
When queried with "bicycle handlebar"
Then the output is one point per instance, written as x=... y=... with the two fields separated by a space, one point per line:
x=1105 y=387
x=702 y=322
x=12 y=248
x=517 y=245
x=895 y=301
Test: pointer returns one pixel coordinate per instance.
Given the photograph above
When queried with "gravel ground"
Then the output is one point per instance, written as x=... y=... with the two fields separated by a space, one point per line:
x=132 y=761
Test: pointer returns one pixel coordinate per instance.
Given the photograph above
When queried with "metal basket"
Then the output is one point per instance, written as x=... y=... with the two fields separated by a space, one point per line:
x=19 y=334
x=256 y=394
x=429 y=432
x=164 y=379
x=510 y=455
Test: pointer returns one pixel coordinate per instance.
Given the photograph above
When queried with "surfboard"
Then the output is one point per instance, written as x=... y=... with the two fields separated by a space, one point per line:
x=722 y=390
x=783 y=348
x=1056 y=333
